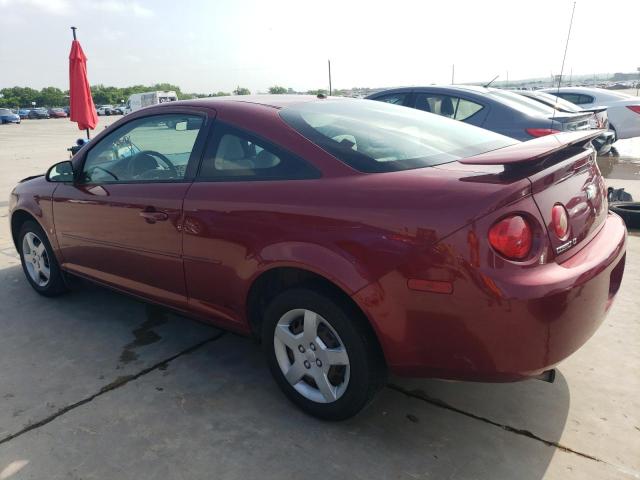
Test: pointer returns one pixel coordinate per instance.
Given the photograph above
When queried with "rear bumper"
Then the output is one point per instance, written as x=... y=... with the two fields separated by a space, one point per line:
x=604 y=142
x=504 y=327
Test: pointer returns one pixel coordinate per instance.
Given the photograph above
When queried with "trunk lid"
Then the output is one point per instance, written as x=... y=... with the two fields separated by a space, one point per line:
x=562 y=170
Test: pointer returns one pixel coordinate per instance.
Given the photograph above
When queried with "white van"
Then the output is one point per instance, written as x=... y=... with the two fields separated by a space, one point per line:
x=141 y=100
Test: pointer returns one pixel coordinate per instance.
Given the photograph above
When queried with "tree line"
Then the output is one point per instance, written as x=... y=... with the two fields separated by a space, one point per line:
x=102 y=95
x=23 y=97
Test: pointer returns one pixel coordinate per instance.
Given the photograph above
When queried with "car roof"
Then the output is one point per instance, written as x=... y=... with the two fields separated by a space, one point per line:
x=272 y=101
x=597 y=92
x=576 y=89
x=459 y=88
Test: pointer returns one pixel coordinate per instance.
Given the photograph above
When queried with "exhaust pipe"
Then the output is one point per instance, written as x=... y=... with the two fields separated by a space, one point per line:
x=547 y=376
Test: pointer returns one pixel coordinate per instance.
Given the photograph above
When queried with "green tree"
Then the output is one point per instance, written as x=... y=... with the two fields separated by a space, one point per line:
x=320 y=91
x=51 y=97
x=277 y=90
x=15 y=97
x=241 y=91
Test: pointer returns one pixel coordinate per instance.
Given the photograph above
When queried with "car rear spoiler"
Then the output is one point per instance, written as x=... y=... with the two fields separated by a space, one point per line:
x=595 y=109
x=533 y=150
x=572 y=117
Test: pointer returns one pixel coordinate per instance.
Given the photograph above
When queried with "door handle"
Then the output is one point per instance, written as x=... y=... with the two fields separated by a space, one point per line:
x=151 y=215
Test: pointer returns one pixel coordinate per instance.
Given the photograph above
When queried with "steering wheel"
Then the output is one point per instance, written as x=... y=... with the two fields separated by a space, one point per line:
x=96 y=167
x=156 y=156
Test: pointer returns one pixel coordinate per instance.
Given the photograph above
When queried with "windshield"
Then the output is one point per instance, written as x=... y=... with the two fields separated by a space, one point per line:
x=550 y=100
x=374 y=136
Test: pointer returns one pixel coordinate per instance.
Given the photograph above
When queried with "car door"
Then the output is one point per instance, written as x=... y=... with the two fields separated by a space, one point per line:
x=120 y=221
x=230 y=212
x=456 y=107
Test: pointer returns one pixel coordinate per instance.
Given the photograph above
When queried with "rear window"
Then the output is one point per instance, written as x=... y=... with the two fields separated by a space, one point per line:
x=525 y=105
x=373 y=136
x=560 y=102
x=4 y=111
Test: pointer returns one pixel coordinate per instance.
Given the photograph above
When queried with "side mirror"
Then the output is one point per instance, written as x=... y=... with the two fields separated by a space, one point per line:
x=60 y=172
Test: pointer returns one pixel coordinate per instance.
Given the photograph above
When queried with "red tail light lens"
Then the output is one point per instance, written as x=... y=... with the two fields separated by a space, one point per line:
x=560 y=221
x=541 y=132
x=634 y=108
x=511 y=237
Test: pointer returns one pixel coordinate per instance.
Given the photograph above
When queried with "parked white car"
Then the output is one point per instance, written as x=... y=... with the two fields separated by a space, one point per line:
x=623 y=110
x=105 y=110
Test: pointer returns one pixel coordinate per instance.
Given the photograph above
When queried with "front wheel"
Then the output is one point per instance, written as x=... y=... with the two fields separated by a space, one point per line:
x=321 y=353
x=38 y=261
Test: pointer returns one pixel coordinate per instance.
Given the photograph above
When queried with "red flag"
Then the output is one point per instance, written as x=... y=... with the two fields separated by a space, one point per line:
x=82 y=109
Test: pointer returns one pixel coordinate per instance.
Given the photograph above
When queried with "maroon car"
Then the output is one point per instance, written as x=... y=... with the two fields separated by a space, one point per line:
x=57 y=113
x=351 y=236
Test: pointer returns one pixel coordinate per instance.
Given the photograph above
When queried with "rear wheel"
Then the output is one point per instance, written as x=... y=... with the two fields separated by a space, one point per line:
x=38 y=261
x=321 y=353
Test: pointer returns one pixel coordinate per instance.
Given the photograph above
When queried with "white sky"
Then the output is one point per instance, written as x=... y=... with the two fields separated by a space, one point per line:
x=206 y=46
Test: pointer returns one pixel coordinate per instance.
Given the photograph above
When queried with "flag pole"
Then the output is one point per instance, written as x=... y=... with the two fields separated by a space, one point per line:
x=73 y=30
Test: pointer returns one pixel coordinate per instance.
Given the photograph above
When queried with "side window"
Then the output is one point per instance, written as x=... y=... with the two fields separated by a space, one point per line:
x=466 y=108
x=235 y=155
x=155 y=148
x=585 y=99
x=439 y=104
x=447 y=106
x=393 y=98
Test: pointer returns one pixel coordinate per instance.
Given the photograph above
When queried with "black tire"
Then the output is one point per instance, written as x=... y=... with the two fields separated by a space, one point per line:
x=56 y=282
x=629 y=211
x=367 y=370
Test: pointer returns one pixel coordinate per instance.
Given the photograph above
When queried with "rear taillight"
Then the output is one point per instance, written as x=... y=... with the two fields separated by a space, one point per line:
x=511 y=237
x=541 y=132
x=634 y=108
x=560 y=221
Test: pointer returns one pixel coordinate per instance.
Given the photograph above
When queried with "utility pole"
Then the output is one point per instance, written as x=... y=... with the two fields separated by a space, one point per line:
x=453 y=74
x=329 y=62
x=507 y=78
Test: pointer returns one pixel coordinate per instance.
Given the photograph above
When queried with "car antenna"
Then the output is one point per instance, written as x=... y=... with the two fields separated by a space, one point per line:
x=564 y=57
x=491 y=81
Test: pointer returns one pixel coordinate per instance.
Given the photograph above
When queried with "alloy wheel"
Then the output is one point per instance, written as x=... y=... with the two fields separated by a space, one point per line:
x=36 y=259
